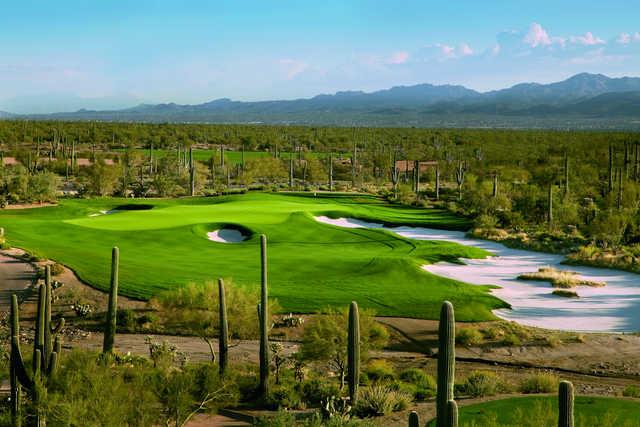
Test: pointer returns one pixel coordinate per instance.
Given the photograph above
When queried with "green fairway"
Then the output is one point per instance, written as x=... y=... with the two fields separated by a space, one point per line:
x=542 y=411
x=233 y=157
x=311 y=265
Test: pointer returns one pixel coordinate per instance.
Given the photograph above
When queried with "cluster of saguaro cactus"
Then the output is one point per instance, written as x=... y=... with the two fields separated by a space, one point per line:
x=353 y=352
x=263 y=314
x=46 y=349
x=110 y=321
x=446 y=364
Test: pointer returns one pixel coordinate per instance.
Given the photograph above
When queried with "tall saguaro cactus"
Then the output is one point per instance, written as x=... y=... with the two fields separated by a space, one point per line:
x=110 y=323
x=192 y=173
x=414 y=419
x=264 y=319
x=452 y=413
x=46 y=350
x=565 y=404
x=223 y=341
x=446 y=362
x=353 y=352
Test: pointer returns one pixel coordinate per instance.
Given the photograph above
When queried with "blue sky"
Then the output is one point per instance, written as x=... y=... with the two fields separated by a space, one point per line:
x=101 y=54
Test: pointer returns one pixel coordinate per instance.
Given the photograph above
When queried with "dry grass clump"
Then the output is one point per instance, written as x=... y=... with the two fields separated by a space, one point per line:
x=560 y=278
x=565 y=293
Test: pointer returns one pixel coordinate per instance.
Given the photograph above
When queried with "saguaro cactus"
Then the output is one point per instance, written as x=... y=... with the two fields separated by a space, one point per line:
x=414 y=419
x=446 y=362
x=353 y=352
x=46 y=349
x=110 y=323
x=192 y=173
x=223 y=341
x=264 y=319
x=330 y=171
x=565 y=404
x=452 y=414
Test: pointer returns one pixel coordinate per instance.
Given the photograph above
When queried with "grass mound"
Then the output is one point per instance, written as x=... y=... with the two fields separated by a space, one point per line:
x=538 y=411
x=560 y=278
x=311 y=265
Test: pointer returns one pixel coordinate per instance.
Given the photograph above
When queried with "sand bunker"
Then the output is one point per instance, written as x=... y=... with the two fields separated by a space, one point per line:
x=613 y=308
x=226 y=235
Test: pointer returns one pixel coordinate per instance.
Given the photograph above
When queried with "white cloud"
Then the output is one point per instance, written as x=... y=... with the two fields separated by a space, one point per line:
x=293 y=67
x=588 y=39
x=537 y=36
x=465 y=50
x=399 y=57
x=624 y=38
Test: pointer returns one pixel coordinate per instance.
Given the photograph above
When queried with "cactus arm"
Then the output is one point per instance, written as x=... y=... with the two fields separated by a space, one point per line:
x=56 y=330
x=17 y=362
x=38 y=342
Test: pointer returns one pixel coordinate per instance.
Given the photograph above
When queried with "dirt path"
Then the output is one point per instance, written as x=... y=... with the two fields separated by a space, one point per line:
x=15 y=277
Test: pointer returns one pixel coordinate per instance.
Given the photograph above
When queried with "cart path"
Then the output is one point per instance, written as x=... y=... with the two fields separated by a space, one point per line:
x=15 y=276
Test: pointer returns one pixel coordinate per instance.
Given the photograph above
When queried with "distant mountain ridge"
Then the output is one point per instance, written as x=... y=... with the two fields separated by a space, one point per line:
x=582 y=101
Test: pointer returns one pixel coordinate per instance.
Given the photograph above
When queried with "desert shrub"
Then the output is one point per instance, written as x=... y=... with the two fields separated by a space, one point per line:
x=193 y=309
x=468 y=337
x=126 y=319
x=57 y=269
x=540 y=383
x=284 y=396
x=482 y=384
x=511 y=340
x=380 y=370
x=418 y=377
x=381 y=400
x=315 y=391
x=325 y=338
x=492 y=333
x=423 y=385
x=631 y=391
x=552 y=340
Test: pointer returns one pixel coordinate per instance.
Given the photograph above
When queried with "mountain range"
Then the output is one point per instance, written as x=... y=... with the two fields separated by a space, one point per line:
x=582 y=101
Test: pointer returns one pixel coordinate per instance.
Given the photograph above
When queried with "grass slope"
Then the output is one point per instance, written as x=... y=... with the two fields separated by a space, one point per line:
x=311 y=265
x=543 y=411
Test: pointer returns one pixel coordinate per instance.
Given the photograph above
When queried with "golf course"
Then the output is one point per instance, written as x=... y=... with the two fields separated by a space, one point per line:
x=164 y=244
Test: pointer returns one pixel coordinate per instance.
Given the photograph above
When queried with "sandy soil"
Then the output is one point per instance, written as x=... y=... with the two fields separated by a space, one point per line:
x=226 y=235
x=30 y=205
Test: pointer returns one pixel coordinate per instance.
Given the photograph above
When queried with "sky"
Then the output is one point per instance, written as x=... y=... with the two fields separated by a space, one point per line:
x=67 y=54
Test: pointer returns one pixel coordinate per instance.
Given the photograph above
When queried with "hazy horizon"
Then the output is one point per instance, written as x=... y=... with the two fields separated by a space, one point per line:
x=74 y=54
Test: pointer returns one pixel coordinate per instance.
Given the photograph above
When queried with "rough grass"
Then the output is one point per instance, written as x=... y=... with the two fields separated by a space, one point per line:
x=536 y=411
x=560 y=278
x=311 y=265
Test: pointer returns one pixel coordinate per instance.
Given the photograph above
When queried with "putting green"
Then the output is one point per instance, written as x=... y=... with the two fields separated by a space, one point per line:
x=311 y=265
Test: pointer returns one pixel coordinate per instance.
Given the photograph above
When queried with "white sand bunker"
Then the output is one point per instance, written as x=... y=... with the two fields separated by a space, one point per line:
x=112 y=211
x=226 y=235
x=613 y=308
